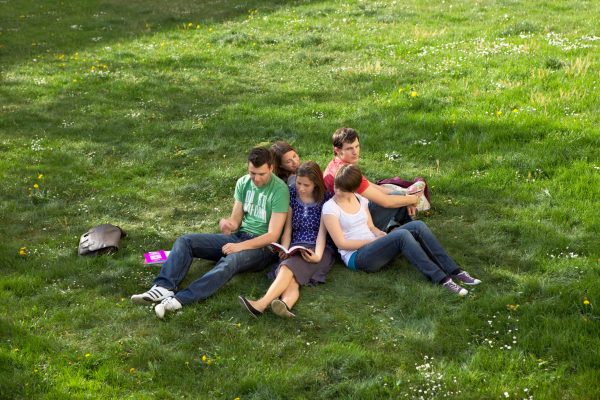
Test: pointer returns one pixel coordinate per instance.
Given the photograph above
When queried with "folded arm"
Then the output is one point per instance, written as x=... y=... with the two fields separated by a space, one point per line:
x=381 y=197
x=273 y=233
x=332 y=224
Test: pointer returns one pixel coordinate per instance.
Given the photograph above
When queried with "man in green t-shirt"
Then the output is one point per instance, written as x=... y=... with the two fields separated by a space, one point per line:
x=257 y=219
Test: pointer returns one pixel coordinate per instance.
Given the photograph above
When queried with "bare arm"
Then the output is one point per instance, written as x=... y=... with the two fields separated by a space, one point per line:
x=317 y=255
x=376 y=231
x=275 y=227
x=332 y=224
x=231 y=224
x=374 y=194
x=286 y=238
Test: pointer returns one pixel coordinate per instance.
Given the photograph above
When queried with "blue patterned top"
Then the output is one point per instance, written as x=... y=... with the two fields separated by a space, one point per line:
x=306 y=219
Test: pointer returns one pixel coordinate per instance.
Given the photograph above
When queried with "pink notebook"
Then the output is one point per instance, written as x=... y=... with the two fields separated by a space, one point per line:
x=156 y=257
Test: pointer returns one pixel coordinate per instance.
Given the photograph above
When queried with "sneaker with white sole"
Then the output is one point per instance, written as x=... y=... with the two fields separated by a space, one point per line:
x=156 y=294
x=454 y=288
x=465 y=278
x=168 y=304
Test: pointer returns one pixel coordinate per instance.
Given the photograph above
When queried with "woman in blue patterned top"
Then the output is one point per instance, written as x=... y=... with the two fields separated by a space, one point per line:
x=303 y=227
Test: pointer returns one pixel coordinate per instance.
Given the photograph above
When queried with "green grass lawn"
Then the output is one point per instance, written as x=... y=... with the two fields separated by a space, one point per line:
x=141 y=113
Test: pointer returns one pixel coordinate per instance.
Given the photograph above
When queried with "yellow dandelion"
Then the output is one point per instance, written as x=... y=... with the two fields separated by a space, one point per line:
x=413 y=94
x=132 y=370
x=586 y=301
x=237 y=398
x=36 y=186
x=204 y=357
x=23 y=251
x=190 y=24
x=515 y=110
x=87 y=355
x=498 y=113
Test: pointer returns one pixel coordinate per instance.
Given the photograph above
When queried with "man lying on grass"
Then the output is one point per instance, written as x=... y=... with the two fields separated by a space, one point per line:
x=257 y=219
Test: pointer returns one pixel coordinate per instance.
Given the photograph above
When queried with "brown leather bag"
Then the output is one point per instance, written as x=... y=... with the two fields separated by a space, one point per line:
x=101 y=239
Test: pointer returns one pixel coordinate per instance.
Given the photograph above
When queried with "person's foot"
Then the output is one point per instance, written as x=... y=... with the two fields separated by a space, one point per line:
x=454 y=288
x=246 y=304
x=281 y=309
x=465 y=278
x=168 y=304
x=156 y=294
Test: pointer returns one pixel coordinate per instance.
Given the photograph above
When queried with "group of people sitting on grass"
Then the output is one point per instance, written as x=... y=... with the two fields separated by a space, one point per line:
x=293 y=203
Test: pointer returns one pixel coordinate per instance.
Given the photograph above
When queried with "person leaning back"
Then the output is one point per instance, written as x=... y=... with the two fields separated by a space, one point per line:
x=387 y=209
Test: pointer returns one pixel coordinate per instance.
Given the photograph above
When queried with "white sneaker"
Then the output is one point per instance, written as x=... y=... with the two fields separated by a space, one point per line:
x=168 y=304
x=155 y=295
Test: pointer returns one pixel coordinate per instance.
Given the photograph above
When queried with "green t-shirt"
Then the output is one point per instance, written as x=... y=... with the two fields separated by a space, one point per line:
x=259 y=203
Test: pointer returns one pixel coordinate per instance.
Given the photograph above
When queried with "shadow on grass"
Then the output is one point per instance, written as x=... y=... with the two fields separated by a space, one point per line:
x=33 y=29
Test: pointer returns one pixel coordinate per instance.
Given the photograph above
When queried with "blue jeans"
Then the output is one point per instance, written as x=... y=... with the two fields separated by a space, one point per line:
x=208 y=246
x=417 y=243
x=382 y=217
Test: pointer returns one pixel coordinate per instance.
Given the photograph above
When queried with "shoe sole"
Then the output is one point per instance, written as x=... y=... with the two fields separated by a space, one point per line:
x=280 y=309
x=467 y=283
x=144 y=299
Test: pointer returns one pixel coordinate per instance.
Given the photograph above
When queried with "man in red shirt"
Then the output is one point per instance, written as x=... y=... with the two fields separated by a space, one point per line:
x=386 y=208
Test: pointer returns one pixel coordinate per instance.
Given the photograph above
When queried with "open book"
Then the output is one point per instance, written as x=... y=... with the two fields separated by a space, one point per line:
x=156 y=257
x=291 y=251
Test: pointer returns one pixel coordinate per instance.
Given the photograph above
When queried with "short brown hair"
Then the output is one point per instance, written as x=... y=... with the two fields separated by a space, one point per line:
x=344 y=135
x=260 y=156
x=312 y=171
x=279 y=148
x=348 y=178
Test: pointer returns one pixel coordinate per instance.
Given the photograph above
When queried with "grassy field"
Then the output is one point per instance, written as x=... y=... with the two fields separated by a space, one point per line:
x=141 y=113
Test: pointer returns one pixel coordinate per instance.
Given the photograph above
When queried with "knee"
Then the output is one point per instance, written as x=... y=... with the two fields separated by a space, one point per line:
x=182 y=242
x=417 y=227
x=400 y=234
x=284 y=268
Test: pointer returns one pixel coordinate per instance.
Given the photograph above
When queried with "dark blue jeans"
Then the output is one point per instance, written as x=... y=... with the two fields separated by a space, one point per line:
x=208 y=246
x=382 y=216
x=417 y=243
